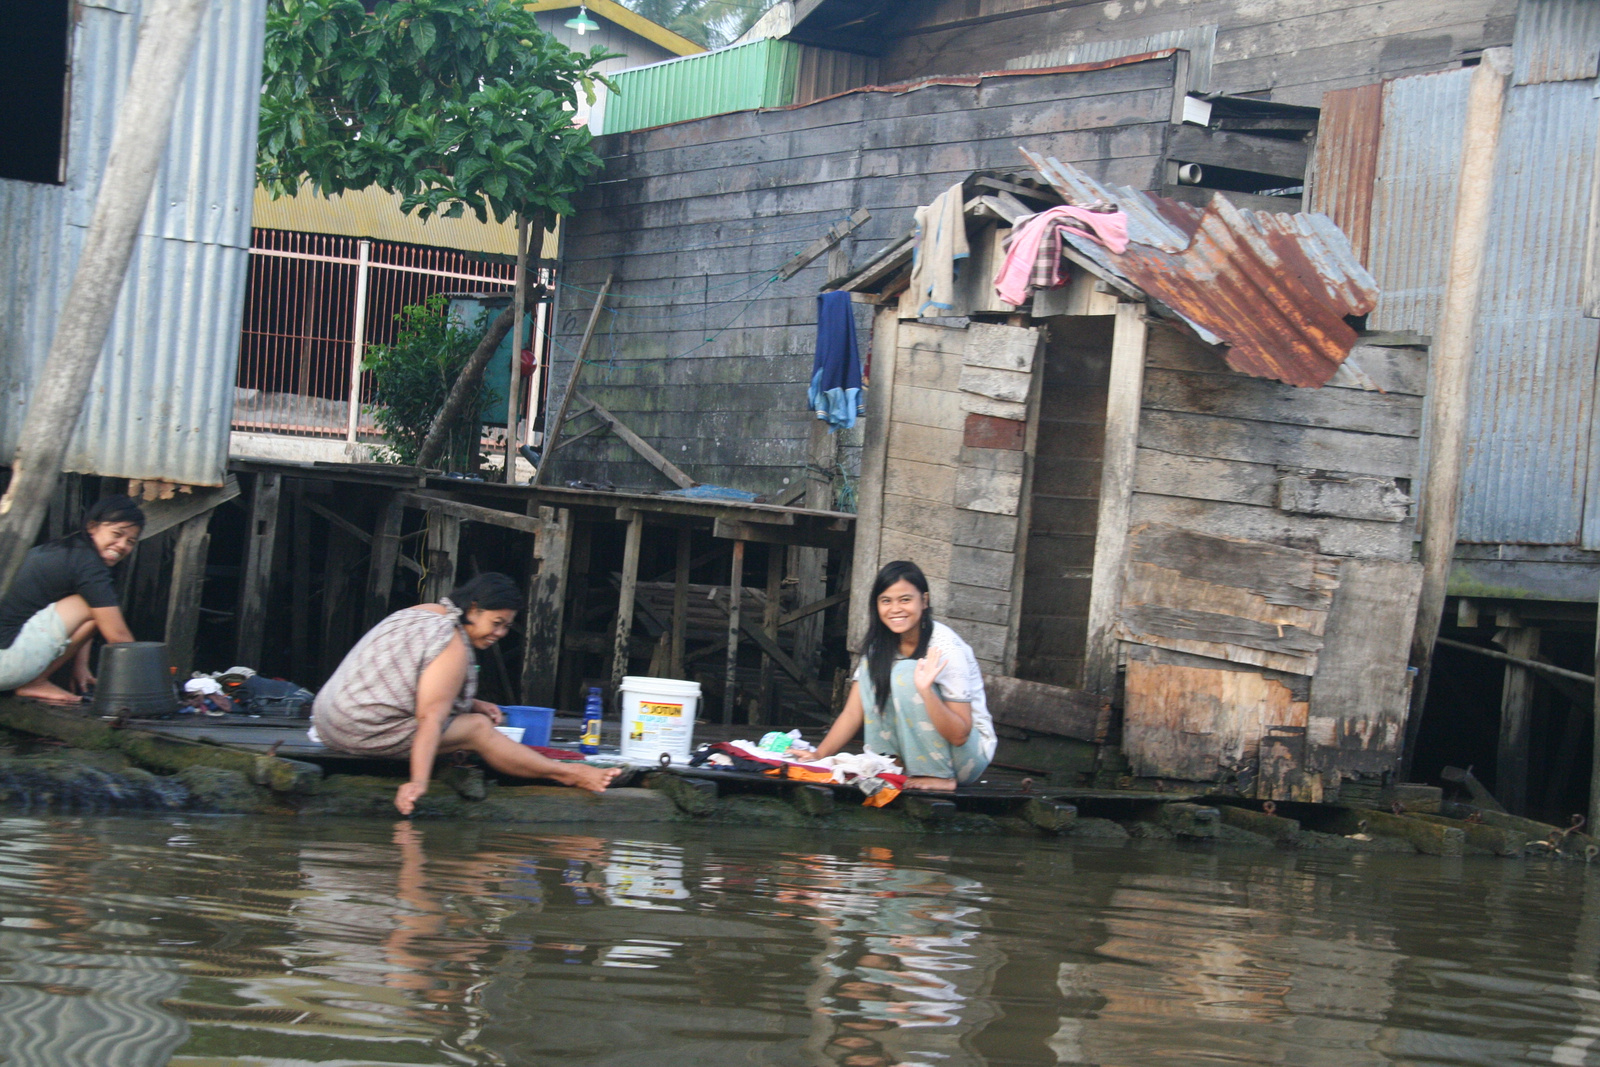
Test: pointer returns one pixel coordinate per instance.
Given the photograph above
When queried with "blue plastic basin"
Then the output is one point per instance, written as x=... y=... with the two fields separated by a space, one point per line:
x=535 y=722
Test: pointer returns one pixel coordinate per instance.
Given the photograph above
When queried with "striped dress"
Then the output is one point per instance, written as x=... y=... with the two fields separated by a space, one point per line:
x=369 y=706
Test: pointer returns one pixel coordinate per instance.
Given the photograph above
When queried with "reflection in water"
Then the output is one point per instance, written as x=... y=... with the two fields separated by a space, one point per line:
x=204 y=942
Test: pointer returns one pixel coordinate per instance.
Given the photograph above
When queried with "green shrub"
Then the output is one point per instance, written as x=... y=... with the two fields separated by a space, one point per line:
x=412 y=377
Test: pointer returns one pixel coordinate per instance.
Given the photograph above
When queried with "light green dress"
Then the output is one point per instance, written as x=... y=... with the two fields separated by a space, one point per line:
x=903 y=729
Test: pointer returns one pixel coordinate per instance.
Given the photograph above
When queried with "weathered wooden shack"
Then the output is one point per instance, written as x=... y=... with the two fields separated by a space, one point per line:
x=1180 y=484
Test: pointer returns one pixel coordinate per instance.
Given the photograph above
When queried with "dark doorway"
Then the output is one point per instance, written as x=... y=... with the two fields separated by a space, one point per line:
x=33 y=90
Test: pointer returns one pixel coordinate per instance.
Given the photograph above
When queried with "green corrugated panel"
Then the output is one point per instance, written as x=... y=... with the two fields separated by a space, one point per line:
x=758 y=74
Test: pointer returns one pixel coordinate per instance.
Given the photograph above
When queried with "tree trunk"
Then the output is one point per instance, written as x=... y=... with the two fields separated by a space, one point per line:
x=144 y=125
x=465 y=390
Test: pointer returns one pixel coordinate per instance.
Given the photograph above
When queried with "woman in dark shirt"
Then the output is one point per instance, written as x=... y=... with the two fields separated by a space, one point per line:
x=61 y=597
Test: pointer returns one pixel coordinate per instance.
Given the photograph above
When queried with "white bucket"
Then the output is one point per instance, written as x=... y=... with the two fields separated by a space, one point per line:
x=658 y=717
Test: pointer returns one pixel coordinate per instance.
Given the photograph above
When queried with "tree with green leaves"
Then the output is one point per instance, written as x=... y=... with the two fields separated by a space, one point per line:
x=412 y=377
x=455 y=105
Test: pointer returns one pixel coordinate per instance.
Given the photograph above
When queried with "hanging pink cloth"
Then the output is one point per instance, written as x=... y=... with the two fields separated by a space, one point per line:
x=1110 y=228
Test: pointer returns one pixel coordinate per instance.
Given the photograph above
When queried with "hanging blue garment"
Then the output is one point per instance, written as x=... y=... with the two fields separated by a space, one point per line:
x=835 y=393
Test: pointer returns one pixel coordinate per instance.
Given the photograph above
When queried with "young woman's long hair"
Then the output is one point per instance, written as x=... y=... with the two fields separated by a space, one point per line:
x=109 y=510
x=883 y=644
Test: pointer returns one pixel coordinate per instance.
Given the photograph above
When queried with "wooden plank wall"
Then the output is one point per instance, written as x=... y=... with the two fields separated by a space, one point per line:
x=952 y=488
x=1257 y=478
x=1290 y=51
x=713 y=373
x=1066 y=500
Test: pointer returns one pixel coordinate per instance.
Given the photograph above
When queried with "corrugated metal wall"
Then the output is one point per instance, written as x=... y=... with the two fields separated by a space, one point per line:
x=1534 y=366
x=1556 y=40
x=1531 y=429
x=1199 y=41
x=740 y=78
x=1414 y=197
x=161 y=401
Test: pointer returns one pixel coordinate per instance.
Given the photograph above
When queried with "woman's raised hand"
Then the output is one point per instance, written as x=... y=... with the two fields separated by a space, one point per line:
x=928 y=668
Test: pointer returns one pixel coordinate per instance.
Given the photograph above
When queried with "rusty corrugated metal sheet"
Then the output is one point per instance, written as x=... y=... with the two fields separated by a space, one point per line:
x=1555 y=41
x=1414 y=197
x=1347 y=159
x=1274 y=288
x=1533 y=373
x=161 y=401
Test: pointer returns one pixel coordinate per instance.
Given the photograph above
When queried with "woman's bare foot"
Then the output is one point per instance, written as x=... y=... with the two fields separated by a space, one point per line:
x=948 y=785
x=49 y=693
x=594 y=779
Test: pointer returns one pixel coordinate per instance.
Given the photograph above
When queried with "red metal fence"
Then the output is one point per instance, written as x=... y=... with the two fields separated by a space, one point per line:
x=313 y=304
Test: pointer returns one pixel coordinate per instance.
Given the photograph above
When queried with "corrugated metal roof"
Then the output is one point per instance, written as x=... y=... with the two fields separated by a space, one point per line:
x=1533 y=374
x=1199 y=41
x=744 y=76
x=1347 y=159
x=1555 y=40
x=1274 y=288
x=1414 y=196
x=161 y=401
x=376 y=214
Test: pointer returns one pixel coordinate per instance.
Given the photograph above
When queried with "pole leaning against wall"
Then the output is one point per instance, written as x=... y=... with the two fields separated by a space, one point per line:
x=167 y=36
x=1451 y=369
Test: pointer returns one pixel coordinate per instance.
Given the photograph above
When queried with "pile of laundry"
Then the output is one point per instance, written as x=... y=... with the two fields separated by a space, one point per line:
x=242 y=691
x=777 y=755
x=1034 y=253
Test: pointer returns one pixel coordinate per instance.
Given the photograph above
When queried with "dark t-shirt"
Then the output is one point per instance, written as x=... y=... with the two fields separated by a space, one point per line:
x=50 y=572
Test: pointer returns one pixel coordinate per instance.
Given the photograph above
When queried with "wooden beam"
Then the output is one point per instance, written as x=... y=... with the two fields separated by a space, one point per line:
x=790 y=667
x=680 y=603
x=547 y=603
x=183 y=596
x=836 y=233
x=763 y=534
x=1125 y=393
x=300 y=586
x=1047 y=195
x=641 y=446
x=1450 y=372
x=560 y=421
x=735 y=614
x=380 y=573
x=260 y=540
x=1537 y=665
x=625 y=597
x=335 y=590
x=1047 y=709
x=596 y=428
x=455 y=509
x=1239 y=151
x=769 y=625
x=874 y=457
x=881 y=266
x=1516 y=720
x=163 y=515
x=811 y=609
x=444 y=544
x=339 y=521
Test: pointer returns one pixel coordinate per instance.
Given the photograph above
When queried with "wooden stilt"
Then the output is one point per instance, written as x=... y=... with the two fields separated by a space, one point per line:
x=380 y=575
x=769 y=624
x=735 y=608
x=630 y=583
x=547 y=601
x=260 y=543
x=183 y=595
x=300 y=596
x=810 y=565
x=1516 y=710
x=680 y=603
x=444 y=544
x=335 y=592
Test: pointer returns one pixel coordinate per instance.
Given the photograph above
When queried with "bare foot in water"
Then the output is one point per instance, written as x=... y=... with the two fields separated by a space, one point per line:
x=594 y=779
x=49 y=693
x=948 y=785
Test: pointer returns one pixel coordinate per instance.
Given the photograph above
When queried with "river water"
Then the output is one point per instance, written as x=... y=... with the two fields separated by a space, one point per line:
x=127 y=942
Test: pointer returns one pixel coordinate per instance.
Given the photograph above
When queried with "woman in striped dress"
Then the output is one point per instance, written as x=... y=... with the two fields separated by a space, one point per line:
x=407 y=691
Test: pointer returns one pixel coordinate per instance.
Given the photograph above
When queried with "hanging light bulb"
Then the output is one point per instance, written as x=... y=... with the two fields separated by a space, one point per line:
x=582 y=22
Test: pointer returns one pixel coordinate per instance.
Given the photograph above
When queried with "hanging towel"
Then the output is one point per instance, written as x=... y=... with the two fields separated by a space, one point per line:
x=1109 y=228
x=941 y=242
x=835 y=393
